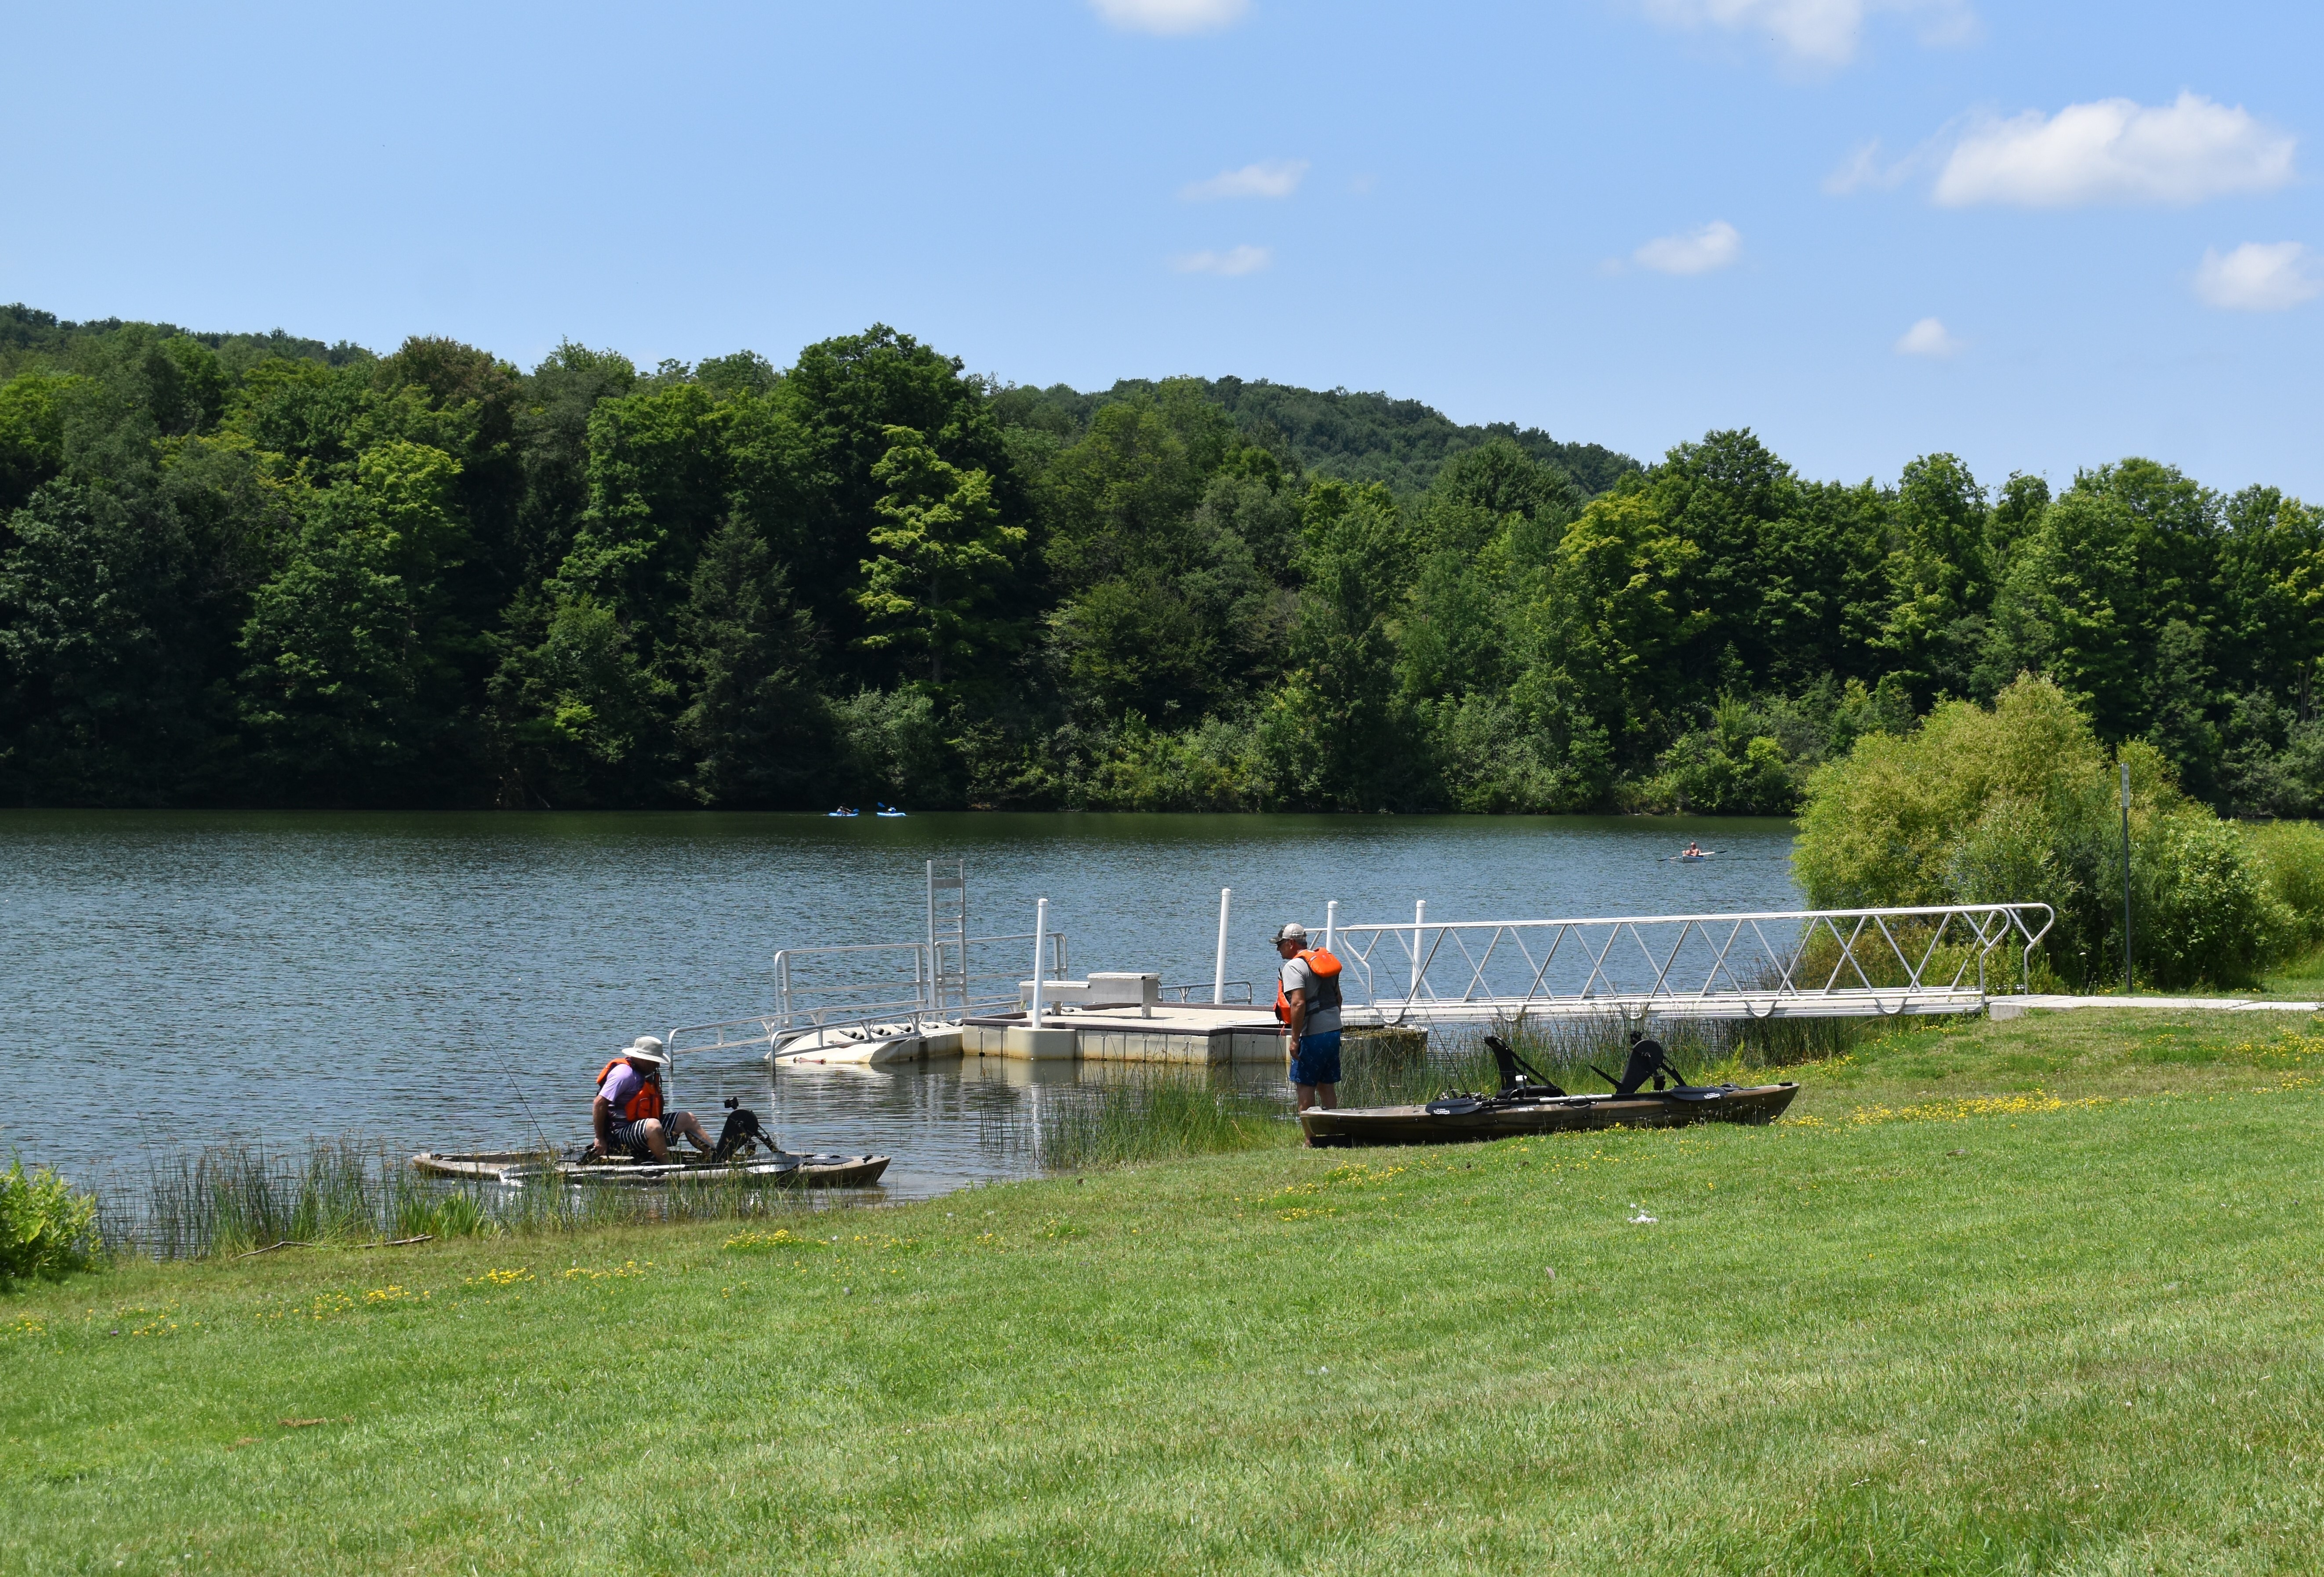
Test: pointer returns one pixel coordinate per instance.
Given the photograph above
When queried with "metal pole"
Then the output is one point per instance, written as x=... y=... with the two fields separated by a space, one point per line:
x=1419 y=913
x=931 y=995
x=1040 y=936
x=1219 y=971
x=2126 y=879
x=1331 y=923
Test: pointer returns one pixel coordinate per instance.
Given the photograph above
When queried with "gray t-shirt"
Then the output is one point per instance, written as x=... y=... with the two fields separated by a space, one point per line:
x=1298 y=977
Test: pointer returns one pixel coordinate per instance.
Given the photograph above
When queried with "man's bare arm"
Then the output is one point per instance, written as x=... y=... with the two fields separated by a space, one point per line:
x=1298 y=1000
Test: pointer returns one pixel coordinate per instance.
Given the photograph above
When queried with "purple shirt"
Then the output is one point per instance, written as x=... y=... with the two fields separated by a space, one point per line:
x=620 y=1085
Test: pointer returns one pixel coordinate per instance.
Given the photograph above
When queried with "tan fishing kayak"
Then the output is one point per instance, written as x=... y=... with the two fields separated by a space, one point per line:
x=1466 y=1119
x=818 y=1171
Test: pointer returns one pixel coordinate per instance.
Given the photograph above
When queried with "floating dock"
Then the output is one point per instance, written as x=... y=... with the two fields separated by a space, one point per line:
x=1193 y=1033
x=878 y=1003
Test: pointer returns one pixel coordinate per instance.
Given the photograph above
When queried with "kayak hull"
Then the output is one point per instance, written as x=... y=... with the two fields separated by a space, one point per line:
x=1343 y=1126
x=818 y=1171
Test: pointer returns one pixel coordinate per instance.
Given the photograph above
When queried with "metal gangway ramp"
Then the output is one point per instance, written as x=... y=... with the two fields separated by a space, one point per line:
x=948 y=934
x=1772 y=965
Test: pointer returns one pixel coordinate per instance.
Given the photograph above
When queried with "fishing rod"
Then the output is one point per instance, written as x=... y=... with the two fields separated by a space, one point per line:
x=509 y=1069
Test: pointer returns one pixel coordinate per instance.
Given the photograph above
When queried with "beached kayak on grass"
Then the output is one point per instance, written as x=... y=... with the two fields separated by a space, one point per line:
x=1468 y=1118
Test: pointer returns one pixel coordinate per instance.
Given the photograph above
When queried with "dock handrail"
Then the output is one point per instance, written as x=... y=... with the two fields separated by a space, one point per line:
x=810 y=1003
x=1733 y=969
x=1186 y=992
x=919 y=999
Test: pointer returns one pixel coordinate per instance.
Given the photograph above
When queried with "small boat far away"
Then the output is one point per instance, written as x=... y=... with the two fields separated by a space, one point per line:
x=888 y=810
x=843 y=811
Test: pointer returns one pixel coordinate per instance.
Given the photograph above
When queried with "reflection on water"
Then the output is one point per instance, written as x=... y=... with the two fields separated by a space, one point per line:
x=456 y=981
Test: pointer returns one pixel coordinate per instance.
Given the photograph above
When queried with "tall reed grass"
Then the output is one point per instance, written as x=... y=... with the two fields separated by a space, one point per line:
x=1164 y=1115
x=232 y=1198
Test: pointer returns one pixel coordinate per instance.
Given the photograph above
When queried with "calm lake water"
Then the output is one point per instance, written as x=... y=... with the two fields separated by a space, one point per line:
x=456 y=981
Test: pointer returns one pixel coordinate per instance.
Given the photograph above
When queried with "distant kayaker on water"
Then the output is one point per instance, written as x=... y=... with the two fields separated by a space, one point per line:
x=627 y=1113
x=1308 y=999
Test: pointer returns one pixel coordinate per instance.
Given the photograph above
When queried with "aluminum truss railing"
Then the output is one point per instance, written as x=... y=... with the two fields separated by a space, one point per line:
x=865 y=986
x=1776 y=964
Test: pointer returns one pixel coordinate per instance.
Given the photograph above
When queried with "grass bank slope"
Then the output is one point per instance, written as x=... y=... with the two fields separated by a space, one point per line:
x=2033 y=1296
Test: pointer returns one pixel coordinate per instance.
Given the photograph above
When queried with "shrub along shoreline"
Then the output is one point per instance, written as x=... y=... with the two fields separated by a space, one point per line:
x=2020 y=801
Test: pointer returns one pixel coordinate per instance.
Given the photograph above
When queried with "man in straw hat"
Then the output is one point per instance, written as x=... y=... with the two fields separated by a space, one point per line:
x=627 y=1112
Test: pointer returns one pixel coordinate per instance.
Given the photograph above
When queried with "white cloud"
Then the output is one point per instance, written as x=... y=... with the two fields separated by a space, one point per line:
x=1864 y=167
x=1270 y=178
x=1821 y=33
x=1238 y=260
x=1715 y=245
x=2115 y=151
x=1927 y=337
x=1171 y=16
x=2259 y=277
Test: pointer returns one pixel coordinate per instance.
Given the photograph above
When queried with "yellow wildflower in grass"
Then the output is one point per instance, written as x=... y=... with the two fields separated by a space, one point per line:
x=1958 y=1111
x=781 y=1238
x=509 y=1278
x=583 y=1272
x=393 y=1294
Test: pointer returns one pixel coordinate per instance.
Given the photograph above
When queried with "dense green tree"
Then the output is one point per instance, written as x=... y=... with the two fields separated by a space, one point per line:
x=254 y=568
x=758 y=731
x=351 y=692
x=807 y=468
x=32 y=433
x=551 y=439
x=940 y=555
x=102 y=696
x=1337 y=732
x=1939 y=578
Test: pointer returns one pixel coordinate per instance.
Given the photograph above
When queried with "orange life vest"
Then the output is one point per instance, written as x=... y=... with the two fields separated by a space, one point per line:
x=1324 y=993
x=645 y=1103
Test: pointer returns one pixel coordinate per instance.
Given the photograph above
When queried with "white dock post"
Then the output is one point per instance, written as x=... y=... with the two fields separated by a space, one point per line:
x=1040 y=941
x=1219 y=972
x=1033 y=1041
x=1419 y=913
x=1331 y=923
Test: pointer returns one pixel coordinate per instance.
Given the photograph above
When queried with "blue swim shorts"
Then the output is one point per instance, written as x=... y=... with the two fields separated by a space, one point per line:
x=1317 y=1060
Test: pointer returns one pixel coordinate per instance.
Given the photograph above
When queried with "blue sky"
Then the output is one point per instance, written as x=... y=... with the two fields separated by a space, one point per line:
x=2039 y=236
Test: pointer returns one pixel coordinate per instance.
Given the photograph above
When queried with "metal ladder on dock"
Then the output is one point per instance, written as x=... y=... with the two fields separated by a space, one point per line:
x=947 y=934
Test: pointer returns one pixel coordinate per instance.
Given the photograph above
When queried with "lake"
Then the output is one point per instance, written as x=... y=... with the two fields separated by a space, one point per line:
x=455 y=981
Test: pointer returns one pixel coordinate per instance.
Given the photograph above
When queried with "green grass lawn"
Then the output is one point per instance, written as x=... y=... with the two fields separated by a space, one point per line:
x=2302 y=979
x=2040 y=1296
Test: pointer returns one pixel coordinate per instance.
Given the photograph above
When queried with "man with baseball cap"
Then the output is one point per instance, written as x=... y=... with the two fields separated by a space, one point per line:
x=1308 y=999
x=627 y=1113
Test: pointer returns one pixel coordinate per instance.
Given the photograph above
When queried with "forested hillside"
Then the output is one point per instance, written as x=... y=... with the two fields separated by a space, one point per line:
x=257 y=569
